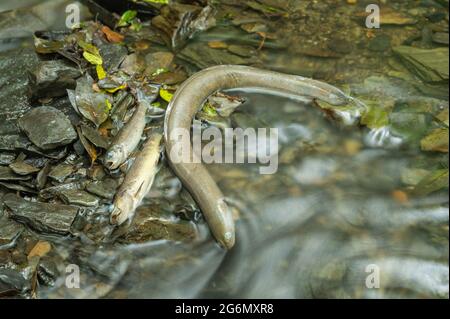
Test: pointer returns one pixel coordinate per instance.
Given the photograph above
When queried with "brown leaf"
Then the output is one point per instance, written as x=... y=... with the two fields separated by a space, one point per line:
x=112 y=36
x=41 y=249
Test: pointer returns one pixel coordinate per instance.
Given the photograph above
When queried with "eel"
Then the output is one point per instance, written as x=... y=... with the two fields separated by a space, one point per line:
x=187 y=101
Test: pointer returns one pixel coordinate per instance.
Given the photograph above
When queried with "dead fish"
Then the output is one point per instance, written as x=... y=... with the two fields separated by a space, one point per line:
x=138 y=180
x=128 y=138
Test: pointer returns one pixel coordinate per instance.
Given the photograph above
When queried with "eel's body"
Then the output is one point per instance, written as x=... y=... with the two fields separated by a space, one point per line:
x=138 y=180
x=186 y=103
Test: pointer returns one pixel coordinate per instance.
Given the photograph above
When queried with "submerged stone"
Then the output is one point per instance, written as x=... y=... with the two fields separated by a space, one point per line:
x=41 y=217
x=47 y=128
x=430 y=65
x=149 y=224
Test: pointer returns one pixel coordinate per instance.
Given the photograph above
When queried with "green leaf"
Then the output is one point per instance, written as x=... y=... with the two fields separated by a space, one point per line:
x=126 y=18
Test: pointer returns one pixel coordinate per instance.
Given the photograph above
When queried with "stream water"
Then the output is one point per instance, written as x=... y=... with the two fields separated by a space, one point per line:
x=349 y=213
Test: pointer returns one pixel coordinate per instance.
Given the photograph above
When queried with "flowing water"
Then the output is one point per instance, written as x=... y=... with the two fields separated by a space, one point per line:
x=349 y=213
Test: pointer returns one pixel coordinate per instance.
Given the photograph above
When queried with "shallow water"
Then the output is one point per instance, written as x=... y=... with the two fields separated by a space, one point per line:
x=341 y=204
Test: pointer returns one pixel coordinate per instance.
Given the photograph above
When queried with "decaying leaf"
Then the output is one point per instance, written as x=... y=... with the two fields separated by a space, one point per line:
x=90 y=149
x=41 y=249
x=91 y=104
x=112 y=36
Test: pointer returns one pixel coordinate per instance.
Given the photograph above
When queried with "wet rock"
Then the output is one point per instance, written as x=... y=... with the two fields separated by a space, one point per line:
x=47 y=272
x=380 y=43
x=12 y=283
x=41 y=217
x=113 y=55
x=14 y=66
x=19 y=142
x=7 y=158
x=94 y=137
x=54 y=191
x=78 y=197
x=178 y=23
x=149 y=224
x=9 y=232
x=105 y=189
x=52 y=79
x=7 y=174
x=96 y=172
x=47 y=127
x=203 y=56
x=133 y=63
x=18 y=187
x=430 y=65
x=60 y=172
x=22 y=168
x=158 y=61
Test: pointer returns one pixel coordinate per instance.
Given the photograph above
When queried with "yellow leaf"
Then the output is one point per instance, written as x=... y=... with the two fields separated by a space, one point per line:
x=166 y=95
x=108 y=104
x=92 y=58
x=100 y=72
x=114 y=90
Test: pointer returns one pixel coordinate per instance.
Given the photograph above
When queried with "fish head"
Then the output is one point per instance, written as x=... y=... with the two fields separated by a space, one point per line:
x=114 y=157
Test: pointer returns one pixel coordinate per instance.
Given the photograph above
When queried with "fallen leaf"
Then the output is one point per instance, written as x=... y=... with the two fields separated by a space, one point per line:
x=92 y=58
x=126 y=18
x=101 y=73
x=111 y=35
x=166 y=95
x=41 y=249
